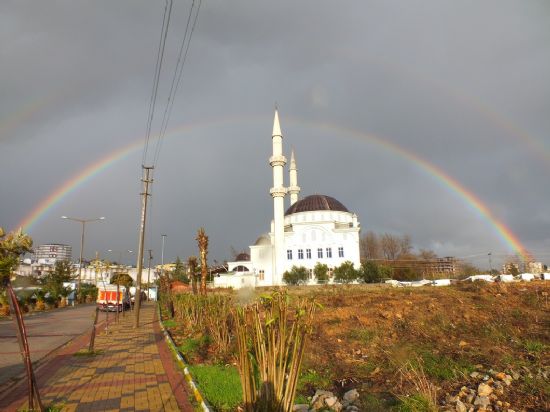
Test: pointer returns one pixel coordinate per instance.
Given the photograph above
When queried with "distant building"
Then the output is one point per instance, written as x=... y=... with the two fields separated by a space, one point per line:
x=535 y=267
x=447 y=264
x=50 y=253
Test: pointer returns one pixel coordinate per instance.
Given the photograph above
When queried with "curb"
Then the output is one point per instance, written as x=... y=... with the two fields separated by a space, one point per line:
x=188 y=377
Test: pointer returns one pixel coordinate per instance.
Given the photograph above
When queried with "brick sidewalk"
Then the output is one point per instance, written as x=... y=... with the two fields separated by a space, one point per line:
x=134 y=371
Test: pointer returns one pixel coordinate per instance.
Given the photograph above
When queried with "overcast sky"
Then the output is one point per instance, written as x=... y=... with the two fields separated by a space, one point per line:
x=461 y=84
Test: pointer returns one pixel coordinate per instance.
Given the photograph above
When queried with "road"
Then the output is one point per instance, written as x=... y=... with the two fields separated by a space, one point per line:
x=46 y=331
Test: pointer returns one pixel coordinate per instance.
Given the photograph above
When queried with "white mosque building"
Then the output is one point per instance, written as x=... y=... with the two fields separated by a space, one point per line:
x=316 y=228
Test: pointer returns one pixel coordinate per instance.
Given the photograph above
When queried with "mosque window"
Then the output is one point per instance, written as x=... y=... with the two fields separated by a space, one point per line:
x=262 y=275
x=300 y=253
x=329 y=252
x=289 y=254
x=308 y=253
x=320 y=253
x=341 y=252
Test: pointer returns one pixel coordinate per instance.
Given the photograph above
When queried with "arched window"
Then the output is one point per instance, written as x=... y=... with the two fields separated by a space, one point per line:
x=241 y=268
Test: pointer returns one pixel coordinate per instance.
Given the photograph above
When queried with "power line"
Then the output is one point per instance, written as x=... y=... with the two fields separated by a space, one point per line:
x=178 y=74
x=156 y=77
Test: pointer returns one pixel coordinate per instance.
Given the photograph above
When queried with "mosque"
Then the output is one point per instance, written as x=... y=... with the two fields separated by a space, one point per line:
x=316 y=228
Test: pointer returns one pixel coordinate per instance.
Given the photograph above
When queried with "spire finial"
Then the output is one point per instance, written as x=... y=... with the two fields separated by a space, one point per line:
x=276 y=125
x=292 y=159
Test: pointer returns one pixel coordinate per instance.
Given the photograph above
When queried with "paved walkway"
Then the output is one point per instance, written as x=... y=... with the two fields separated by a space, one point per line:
x=134 y=371
x=44 y=336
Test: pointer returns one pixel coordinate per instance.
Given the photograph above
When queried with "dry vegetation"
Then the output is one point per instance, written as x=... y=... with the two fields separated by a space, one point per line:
x=396 y=345
x=364 y=336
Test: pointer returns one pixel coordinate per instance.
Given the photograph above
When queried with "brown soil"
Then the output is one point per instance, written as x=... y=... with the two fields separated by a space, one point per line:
x=364 y=334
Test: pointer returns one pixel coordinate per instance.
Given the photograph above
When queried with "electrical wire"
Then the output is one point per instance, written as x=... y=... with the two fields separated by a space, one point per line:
x=156 y=77
x=178 y=74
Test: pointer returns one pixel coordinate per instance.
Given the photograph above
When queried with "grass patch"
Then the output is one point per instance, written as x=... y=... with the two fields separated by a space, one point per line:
x=442 y=367
x=189 y=346
x=221 y=385
x=533 y=346
x=301 y=399
x=536 y=386
x=416 y=403
x=310 y=380
x=362 y=335
x=169 y=323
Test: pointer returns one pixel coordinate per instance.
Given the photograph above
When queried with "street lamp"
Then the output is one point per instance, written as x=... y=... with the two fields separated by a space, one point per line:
x=120 y=252
x=83 y=222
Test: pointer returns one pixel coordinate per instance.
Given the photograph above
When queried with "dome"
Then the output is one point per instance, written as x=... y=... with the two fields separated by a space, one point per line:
x=316 y=202
x=263 y=240
x=242 y=257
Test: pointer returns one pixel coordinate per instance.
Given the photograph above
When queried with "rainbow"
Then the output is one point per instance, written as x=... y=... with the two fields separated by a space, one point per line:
x=452 y=185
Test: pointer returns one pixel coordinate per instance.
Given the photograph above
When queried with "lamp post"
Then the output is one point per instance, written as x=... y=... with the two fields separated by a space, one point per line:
x=83 y=222
x=120 y=252
x=490 y=254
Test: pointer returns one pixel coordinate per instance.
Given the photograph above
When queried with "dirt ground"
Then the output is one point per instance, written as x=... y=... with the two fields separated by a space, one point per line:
x=363 y=335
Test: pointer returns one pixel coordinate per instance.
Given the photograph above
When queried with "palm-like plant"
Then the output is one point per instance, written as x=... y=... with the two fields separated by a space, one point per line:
x=271 y=339
x=202 y=240
x=192 y=263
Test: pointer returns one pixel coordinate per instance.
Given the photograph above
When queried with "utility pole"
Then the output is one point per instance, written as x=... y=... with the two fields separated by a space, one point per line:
x=149 y=274
x=490 y=262
x=162 y=256
x=146 y=181
x=83 y=222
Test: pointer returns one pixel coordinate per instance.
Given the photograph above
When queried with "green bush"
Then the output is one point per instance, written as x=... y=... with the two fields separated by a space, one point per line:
x=372 y=272
x=296 y=276
x=345 y=273
x=321 y=272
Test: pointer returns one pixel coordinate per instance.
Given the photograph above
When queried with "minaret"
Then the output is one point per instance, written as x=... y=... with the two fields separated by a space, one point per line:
x=278 y=192
x=294 y=189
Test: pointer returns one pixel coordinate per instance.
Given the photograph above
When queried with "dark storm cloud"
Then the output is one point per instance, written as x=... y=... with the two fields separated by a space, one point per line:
x=461 y=84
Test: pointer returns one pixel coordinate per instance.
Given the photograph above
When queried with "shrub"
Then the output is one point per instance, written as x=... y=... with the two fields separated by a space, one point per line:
x=321 y=272
x=296 y=276
x=88 y=293
x=345 y=273
x=270 y=350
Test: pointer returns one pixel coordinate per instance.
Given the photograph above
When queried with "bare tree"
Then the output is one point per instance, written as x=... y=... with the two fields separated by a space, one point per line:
x=370 y=246
x=405 y=245
x=391 y=246
x=426 y=254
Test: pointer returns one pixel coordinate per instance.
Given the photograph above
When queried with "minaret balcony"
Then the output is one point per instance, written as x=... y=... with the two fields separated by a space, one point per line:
x=278 y=191
x=293 y=189
x=277 y=160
